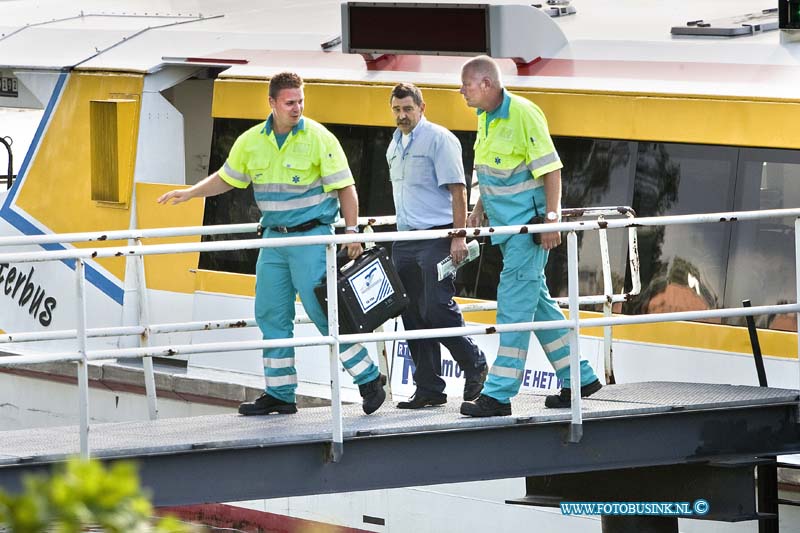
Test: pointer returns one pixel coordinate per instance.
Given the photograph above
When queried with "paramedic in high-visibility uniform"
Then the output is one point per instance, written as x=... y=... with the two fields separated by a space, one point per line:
x=517 y=166
x=300 y=177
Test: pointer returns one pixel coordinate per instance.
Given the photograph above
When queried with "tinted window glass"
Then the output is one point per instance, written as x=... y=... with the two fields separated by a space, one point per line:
x=683 y=267
x=596 y=173
x=762 y=258
x=237 y=206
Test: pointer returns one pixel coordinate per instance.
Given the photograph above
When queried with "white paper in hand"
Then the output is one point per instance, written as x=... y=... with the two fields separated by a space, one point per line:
x=446 y=268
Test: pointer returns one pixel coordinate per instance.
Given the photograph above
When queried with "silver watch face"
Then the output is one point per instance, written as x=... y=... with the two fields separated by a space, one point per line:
x=552 y=215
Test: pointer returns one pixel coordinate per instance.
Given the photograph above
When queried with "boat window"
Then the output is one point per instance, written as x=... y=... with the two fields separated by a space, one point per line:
x=683 y=267
x=235 y=207
x=763 y=252
x=596 y=173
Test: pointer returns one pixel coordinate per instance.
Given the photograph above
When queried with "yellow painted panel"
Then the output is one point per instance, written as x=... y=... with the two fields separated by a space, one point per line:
x=240 y=99
x=170 y=272
x=690 y=119
x=226 y=283
x=57 y=189
x=695 y=335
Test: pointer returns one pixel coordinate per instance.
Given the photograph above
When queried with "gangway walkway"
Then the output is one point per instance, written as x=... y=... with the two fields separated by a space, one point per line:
x=229 y=457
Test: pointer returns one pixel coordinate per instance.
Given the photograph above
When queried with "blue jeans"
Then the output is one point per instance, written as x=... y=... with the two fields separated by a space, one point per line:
x=432 y=306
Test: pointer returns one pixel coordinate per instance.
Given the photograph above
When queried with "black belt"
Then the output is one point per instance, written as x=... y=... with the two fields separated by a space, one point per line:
x=291 y=229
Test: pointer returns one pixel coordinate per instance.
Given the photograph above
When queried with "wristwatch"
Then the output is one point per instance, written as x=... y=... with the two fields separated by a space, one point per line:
x=354 y=229
x=551 y=216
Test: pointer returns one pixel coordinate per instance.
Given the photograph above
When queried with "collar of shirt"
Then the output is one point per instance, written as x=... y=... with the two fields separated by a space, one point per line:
x=396 y=136
x=501 y=111
x=267 y=129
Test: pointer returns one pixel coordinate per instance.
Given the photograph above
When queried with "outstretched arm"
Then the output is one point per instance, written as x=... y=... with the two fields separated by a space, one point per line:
x=211 y=186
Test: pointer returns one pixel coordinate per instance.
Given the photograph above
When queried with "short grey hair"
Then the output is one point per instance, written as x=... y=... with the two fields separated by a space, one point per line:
x=486 y=67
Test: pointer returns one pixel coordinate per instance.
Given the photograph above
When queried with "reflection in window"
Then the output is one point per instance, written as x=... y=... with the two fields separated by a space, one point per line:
x=682 y=267
x=596 y=173
x=763 y=252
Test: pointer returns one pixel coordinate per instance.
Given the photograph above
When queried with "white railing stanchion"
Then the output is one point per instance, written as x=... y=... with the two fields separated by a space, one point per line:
x=144 y=338
x=633 y=254
x=608 y=291
x=83 y=366
x=332 y=273
x=576 y=427
x=797 y=286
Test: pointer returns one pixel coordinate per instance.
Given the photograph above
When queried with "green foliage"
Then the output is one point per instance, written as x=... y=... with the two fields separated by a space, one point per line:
x=83 y=494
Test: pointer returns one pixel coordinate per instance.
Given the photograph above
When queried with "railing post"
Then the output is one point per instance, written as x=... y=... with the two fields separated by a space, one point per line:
x=83 y=370
x=608 y=291
x=797 y=289
x=144 y=338
x=337 y=446
x=576 y=427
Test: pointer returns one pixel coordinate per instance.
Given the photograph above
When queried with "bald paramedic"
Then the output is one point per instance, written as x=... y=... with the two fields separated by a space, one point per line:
x=519 y=174
x=301 y=179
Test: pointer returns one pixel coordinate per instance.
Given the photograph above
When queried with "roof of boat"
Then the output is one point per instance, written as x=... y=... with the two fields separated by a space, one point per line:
x=622 y=45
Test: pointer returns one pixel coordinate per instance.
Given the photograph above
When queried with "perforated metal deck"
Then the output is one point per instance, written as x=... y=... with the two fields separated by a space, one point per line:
x=624 y=425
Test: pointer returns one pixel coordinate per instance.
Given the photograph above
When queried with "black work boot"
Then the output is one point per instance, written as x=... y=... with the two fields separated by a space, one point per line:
x=473 y=385
x=485 y=406
x=564 y=398
x=372 y=394
x=266 y=404
x=420 y=400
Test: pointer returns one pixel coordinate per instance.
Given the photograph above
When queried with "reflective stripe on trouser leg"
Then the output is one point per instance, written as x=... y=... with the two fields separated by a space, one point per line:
x=555 y=342
x=517 y=299
x=274 y=309
x=307 y=265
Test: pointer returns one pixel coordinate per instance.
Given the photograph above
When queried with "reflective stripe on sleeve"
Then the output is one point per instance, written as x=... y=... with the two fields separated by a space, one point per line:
x=235 y=175
x=540 y=162
x=337 y=177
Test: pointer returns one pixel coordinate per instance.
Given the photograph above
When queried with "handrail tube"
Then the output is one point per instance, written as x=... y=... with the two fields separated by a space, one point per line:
x=156 y=233
x=249 y=244
x=218 y=229
x=166 y=351
x=231 y=323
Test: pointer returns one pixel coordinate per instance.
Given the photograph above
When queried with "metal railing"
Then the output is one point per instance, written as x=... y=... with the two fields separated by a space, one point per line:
x=82 y=355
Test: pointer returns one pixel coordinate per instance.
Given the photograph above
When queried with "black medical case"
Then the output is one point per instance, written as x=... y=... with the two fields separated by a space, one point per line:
x=370 y=292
